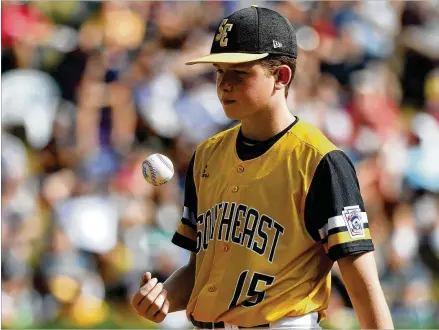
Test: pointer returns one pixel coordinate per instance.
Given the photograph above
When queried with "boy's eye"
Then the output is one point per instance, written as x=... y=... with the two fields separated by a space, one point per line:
x=240 y=72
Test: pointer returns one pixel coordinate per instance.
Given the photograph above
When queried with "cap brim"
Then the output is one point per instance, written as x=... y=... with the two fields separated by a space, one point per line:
x=228 y=58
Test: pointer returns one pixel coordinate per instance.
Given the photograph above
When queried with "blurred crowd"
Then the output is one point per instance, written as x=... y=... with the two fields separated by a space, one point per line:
x=89 y=89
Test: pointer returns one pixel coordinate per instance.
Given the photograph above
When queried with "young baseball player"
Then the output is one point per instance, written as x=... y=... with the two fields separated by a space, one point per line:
x=270 y=204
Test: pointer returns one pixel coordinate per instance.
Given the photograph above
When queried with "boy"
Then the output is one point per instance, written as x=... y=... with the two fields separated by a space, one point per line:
x=270 y=204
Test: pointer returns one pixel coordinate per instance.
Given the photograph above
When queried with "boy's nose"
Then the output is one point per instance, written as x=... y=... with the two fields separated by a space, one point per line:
x=227 y=87
x=225 y=84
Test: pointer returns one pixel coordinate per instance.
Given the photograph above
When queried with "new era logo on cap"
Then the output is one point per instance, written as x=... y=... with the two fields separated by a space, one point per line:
x=251 y=34
x=276 y=44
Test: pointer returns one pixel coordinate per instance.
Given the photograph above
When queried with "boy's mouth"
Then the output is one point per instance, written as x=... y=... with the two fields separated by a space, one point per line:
x=228 y=101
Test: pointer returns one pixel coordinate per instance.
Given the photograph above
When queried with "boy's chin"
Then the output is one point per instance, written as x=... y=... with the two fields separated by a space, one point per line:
x=233 y=114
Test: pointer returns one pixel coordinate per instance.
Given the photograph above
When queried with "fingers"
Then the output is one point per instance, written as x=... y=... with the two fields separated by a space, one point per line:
x=145 y=278
x=149 y=299
x=143 y=291
x=157 y=304
x=161 y=314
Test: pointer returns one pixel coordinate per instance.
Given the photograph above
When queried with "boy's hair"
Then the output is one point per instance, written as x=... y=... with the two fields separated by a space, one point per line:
x=272 y=62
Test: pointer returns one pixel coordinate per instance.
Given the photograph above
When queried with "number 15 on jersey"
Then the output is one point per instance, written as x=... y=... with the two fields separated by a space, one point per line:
x=254 y=295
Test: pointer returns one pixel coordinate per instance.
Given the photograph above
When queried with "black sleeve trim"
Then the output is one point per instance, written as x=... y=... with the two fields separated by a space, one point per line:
x=346 y=249
x=184 y=242
x=334 y=186
x=188 y=223
x=190 y=192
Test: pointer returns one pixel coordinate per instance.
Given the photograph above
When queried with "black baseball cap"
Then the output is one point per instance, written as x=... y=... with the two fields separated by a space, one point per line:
x=250 y=34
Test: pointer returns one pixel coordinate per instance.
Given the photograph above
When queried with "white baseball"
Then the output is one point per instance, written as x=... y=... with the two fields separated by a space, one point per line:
x=157 y=169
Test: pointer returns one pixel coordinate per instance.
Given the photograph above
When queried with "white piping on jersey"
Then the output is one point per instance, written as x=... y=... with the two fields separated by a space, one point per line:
x=188 y=215
x=250 y=144
x=336 y=222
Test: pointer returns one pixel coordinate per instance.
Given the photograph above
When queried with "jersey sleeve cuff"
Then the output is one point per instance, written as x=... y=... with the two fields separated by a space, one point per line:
x=184 y=242
x=188 y=223
x=347 y=249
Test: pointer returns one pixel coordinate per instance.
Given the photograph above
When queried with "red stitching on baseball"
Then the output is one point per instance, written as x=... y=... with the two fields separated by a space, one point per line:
x=152 y=170
x=164 y=162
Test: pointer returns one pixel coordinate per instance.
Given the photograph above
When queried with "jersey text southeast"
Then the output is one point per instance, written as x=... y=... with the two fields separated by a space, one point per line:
x=241 y=225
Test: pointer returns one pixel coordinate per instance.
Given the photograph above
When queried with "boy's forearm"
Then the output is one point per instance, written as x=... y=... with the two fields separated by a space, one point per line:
x=372 y=309
x=362 y=283
x=179 y=286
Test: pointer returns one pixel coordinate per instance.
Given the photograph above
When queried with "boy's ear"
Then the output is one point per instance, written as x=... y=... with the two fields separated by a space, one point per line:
x=283 y=76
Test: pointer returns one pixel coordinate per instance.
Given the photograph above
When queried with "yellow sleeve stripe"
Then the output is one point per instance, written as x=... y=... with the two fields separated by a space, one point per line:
x=186 y=231
x=344 y=237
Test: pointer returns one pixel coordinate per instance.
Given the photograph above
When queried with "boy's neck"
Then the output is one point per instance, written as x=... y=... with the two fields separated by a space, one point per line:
x=266 y=124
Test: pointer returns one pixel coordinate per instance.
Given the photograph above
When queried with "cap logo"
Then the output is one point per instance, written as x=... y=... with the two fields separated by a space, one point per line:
x=222 y=33
x=277 y=44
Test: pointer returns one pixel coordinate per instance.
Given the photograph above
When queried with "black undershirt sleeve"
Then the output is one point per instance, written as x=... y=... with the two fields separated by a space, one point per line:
x=189 y=211
x=334 y=208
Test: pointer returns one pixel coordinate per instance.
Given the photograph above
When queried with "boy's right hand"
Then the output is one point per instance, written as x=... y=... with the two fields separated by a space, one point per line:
x=150 y=300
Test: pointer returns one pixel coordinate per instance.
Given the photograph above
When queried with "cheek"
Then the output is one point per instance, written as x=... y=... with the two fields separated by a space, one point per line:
x=258 y=91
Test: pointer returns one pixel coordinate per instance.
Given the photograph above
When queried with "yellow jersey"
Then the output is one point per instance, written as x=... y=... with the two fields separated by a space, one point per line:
x=267 y=220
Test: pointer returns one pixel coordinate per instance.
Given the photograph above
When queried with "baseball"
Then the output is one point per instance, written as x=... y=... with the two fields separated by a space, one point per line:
x=157 y=169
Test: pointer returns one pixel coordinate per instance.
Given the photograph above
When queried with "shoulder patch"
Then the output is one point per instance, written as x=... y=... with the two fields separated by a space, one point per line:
x=353 y=219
